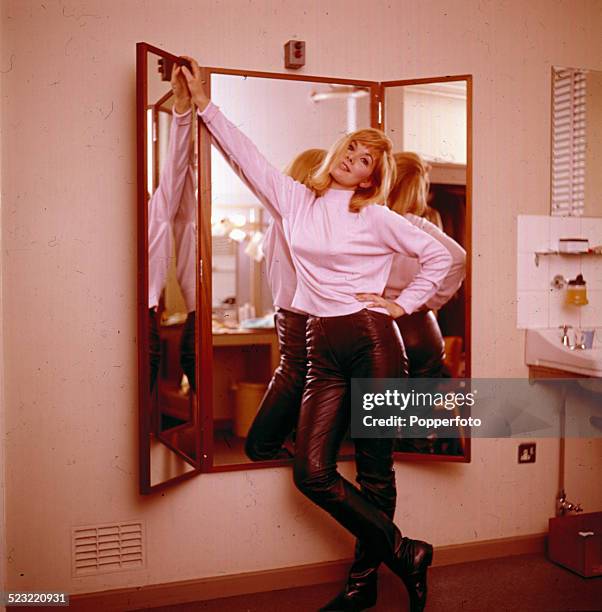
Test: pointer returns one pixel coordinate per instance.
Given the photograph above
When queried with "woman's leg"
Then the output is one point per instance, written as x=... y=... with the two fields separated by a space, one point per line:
x=423 y=343
x=375 y=475
x=363 y=345
x=424 y=353
x=154 y=346
x=279 y=408
x=187 y=350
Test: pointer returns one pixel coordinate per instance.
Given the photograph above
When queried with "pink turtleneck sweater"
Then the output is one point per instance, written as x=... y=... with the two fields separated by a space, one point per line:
x=172 y=208
x=335 y=253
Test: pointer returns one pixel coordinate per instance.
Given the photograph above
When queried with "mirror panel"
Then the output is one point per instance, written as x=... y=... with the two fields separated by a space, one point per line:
x=576 y=184
x=432 y=118
x=169 y=430
x=303 y=114
x=234 y=344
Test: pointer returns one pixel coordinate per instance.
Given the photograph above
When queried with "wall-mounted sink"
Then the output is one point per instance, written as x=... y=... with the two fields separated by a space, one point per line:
x=543 y=347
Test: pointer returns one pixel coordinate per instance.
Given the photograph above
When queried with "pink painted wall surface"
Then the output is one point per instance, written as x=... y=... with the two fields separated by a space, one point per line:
x=69 y=270
x=3 y=556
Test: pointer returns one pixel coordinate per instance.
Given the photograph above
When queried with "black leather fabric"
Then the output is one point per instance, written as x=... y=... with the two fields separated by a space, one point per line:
x=187 y=350
x=423 y=343
x=425 y=351
x=154 y=346
x=361 y=345
x=279 y=409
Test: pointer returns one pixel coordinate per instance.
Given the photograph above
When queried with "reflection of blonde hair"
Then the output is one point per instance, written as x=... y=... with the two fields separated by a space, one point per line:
x=382 y=176
x=304 y=164
x=411 y=186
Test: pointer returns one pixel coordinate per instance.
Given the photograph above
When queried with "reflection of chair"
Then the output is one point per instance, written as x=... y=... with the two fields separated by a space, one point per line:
x=453 y=355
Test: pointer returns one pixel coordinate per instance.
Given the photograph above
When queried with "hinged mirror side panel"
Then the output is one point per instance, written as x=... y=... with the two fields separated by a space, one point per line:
x=430 y=123
x=169 y=416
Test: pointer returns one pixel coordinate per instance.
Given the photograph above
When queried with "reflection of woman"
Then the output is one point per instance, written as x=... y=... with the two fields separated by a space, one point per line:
x=420 y=331
x=342 y=244
x=173 y=208
x=279 y=410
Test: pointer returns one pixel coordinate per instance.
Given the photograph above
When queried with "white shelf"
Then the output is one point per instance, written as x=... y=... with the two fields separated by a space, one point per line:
x=539 y=254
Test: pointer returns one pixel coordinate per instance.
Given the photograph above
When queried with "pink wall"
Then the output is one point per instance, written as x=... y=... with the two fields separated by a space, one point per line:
x=3 y=577
x=69 y=269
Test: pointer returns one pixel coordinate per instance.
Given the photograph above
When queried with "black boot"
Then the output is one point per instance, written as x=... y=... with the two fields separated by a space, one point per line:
x=411 y=562
x=360 y=591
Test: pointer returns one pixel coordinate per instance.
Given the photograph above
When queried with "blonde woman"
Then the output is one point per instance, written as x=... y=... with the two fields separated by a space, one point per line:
x=421 y=336
x=342 y=241
x=422 y=340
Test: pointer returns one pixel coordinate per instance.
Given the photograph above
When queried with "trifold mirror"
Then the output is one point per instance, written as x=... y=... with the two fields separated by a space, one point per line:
x=207 y=343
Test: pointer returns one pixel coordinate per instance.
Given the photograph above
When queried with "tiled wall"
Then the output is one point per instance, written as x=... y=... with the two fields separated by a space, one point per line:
x=538 y=304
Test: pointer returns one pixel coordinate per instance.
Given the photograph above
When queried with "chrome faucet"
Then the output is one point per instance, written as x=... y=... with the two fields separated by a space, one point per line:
x=563 y=506
x=565 y=336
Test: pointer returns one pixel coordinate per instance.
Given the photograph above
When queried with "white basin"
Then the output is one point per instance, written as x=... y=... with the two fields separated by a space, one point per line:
x=543 y=347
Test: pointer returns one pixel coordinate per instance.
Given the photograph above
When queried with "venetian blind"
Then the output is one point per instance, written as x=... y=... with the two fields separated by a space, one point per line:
x=568 y=142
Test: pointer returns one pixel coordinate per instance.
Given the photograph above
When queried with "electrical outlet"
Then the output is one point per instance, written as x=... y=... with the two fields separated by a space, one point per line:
x=526 y=452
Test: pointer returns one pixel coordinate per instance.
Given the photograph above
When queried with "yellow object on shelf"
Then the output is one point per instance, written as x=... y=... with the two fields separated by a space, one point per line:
x=576 y=292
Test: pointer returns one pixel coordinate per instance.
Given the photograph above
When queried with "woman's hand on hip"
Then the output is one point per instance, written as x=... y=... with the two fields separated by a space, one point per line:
x=374 y=300
x=195 y=83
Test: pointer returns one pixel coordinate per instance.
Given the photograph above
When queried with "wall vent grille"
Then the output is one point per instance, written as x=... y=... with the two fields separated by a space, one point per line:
x=107 y=548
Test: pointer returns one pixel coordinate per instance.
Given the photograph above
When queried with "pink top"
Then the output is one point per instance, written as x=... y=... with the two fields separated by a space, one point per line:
x=404 y=268
x=173 y=208
x=336 y=253
x=283 y=281
x=280 y=271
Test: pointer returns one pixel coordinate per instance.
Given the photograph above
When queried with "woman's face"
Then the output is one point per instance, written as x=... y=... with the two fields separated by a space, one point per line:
x=354 y=168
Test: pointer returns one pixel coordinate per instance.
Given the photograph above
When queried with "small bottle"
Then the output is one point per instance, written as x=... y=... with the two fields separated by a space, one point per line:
x=576 y=292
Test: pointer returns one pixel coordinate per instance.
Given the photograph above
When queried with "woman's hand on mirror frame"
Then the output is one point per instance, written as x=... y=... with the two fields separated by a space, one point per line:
x=180 y=90
x=195 y=83
x=374 y=300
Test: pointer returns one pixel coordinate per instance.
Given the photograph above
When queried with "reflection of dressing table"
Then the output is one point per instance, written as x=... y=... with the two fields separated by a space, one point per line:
x=240 y=356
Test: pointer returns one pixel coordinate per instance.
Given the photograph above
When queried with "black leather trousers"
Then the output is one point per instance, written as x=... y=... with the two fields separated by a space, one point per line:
x=187 y=350
x=361 y=345
x=425 y=351
x=154 y=346
x=423 y=343
x=279 y=408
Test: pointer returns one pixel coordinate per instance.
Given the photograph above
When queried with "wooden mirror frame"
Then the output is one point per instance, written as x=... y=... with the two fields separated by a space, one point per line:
x=467 y=78
x=204 y=336
x=145 y=417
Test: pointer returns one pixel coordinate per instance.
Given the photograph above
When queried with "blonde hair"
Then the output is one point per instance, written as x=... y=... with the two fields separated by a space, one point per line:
x=383 y=174
x=410 y=191
x=304 y=164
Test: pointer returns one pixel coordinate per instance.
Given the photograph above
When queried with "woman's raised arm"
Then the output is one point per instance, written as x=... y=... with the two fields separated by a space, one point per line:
x=277 y=192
